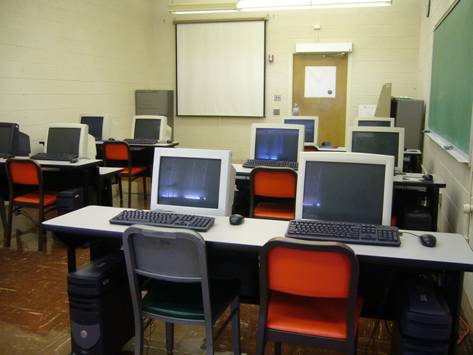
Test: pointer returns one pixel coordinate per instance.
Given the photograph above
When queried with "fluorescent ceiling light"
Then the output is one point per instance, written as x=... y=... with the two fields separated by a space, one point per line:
x=256 y=5
x=202 y=8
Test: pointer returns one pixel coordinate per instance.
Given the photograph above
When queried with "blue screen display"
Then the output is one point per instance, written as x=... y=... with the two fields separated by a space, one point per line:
x=276 y=144
x=189 y=182
x=308 y=128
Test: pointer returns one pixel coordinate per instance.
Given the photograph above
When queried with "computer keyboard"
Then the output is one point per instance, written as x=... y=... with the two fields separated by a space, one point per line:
x=141 y=141
x=6 y=155
x=72 y=158
x=345 y=232
x=163 y=219
x=253 y=163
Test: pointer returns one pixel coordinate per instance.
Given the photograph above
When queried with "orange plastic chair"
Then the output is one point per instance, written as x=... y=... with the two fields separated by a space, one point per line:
x=117 y=153
x=273 y=193
x=308 y=295
x=27 y=173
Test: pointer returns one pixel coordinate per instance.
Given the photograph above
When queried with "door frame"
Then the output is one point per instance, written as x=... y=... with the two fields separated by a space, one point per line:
x=348 y=119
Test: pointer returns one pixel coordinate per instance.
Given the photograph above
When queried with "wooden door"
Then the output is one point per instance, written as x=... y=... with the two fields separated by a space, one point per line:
x=331 y=110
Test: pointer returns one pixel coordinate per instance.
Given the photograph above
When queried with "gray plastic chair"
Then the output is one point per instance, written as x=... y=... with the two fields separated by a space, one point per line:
x=175 y=261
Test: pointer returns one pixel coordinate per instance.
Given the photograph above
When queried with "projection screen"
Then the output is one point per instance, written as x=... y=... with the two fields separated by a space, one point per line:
x=220 y=68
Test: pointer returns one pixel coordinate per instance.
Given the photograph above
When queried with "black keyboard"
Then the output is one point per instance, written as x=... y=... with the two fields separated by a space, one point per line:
x=6 y=155
x=72 y=158
x=253 y=163
x=345 y=232
x=141 y=141
x=164 y=219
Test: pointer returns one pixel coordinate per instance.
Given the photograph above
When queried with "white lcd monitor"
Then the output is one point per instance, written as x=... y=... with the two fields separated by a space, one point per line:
x=378 y=140
x=194 y=181
x=72 y=138
x=99 y=126
x=345 y=187
x=374 y=122
x=276 y=141
x=311 y=127
x=151 y=127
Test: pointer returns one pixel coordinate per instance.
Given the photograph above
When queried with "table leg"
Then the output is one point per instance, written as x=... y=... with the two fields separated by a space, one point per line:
x=433 y=196
x=3 y=214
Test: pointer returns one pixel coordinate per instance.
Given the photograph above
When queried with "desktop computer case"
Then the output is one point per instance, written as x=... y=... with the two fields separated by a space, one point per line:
x=101 y=312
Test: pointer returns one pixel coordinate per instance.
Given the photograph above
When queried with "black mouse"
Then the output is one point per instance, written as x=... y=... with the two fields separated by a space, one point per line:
x=236 y=219
x=428 y=177
x=428 y=240
x=326 y=144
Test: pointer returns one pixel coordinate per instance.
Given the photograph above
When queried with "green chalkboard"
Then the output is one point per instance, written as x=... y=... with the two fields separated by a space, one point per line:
x=451 y=96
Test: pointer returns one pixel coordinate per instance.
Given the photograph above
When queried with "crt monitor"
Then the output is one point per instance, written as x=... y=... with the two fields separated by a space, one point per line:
x=345 y=187
x=311 y=127
x=378 y=140
x=196 y=181
x=8 y=138
x=374 y=122
x=99 y=126
x=71 y=138
x=151 y=127
x=277 y=141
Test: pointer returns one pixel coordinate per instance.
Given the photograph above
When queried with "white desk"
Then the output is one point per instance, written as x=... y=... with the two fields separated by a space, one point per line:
x=452 y=250
x=61 y=164
x=450 y=258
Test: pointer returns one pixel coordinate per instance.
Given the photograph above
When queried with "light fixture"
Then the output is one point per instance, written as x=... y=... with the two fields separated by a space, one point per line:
x=202 y=8
x=257 y=5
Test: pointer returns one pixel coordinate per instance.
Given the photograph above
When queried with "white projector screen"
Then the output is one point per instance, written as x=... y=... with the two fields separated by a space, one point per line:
x=220 y=68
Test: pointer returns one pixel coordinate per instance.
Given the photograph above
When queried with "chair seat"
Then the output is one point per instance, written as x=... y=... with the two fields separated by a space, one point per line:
x=277 y=210
x=323 y=317
x=134 y=170
x=33 y=198
x=184 y=300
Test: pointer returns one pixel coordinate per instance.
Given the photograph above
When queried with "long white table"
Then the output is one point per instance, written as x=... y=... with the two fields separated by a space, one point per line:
x=449 y=259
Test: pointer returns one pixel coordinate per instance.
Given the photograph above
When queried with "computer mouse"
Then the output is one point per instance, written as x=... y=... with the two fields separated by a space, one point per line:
x=236 y=219
x=428 y=240
x=326 y=144
x=428 y=177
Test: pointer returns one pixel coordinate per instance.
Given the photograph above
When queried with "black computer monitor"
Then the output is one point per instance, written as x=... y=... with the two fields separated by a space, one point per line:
x=345 y=187
x=277 y=143
x=147 y=128
x=8 y=138
x=189 y=182
x=95 y=124
x=378 y=140
x=63 y=140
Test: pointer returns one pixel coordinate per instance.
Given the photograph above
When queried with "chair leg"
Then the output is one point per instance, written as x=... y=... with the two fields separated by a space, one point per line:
x=144 y=188
x=139 y=334
x=7 y=241
x=41 y=234
x=236 y=326
x=120 y=190
x=261 y=336
x=277 y=348
x=129 y=191
x=169 y=337
x=209 y=338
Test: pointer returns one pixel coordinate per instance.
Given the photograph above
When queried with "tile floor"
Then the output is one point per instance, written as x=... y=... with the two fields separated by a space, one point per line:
x=34 y=316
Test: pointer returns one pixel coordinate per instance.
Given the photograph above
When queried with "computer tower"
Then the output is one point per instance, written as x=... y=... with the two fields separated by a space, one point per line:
x=156 y=102
x=409 y=113
x=101 y=312
x=69 y=200
x=418 y=218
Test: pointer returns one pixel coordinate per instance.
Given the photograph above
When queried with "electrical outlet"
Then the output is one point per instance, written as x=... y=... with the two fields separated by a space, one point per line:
x=276 y=112
x=277 y=97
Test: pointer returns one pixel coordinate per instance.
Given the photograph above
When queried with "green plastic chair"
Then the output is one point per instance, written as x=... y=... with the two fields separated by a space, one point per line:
x=179 y=291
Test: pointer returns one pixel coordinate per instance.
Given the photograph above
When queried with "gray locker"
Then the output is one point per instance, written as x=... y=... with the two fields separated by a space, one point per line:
x=409 y=113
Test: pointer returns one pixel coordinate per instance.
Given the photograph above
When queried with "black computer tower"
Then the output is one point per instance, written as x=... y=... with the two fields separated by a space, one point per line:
x=100 y=307
x=69 y=200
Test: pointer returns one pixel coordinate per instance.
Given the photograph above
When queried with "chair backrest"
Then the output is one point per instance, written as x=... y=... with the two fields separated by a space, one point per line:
x=273 y=182
x=170 y=254
x=24 y=172
x=310 y=269
x=116 y=150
